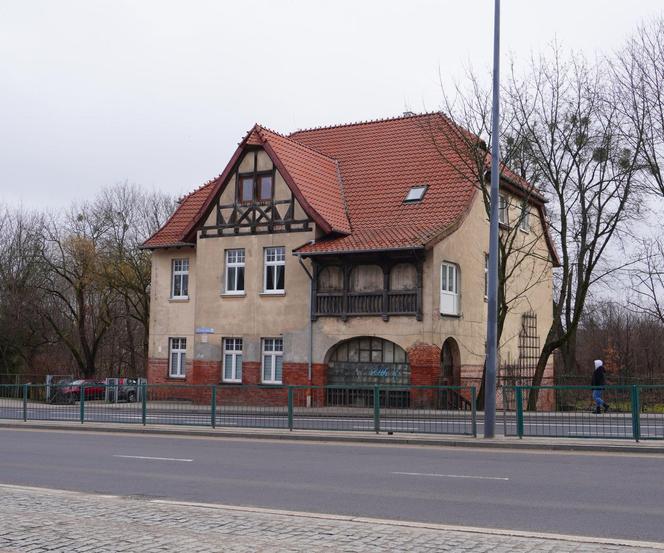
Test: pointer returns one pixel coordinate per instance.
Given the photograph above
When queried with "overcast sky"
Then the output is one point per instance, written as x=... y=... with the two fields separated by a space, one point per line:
x=159 y=93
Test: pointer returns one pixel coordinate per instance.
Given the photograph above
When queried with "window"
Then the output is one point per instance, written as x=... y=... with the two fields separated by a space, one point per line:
x=246 y=189
x=273 y=354
x=502 y=210
x=449 y=289
x=265 y=187
x=486 y=275
x=275 y=266
x=235 y=271
x=177 y=349
x=524 y=223
x=180 y=278
x=232 y=360
x=416 y=193
x=255 y=187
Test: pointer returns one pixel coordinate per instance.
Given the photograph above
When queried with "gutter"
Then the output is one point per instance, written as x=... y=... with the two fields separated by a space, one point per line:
x=310 y=330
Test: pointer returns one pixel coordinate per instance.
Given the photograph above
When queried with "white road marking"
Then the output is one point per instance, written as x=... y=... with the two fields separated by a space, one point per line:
x=153 y=458
x=451 y=475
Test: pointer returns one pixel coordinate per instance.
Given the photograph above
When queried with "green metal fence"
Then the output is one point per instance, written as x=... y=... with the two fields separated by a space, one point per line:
x=634 y=412
x=421 y=409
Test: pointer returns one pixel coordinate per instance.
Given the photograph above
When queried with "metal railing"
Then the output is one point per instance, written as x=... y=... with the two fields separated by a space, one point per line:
x=634 y=412
x=421 y=409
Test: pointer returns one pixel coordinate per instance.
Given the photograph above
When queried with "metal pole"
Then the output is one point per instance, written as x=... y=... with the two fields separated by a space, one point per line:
x=492 y=315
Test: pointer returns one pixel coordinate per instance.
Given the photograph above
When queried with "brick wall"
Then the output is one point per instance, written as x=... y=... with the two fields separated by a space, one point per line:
x=424 y=362
x=250 y=392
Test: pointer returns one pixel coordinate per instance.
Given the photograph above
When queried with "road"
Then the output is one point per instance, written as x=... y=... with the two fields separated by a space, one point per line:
x=603 y=495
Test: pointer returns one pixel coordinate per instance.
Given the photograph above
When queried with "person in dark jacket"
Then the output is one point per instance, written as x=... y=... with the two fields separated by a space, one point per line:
x=598 y=382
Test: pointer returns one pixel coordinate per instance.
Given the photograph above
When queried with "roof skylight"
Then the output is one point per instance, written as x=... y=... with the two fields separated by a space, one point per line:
x=416 y=193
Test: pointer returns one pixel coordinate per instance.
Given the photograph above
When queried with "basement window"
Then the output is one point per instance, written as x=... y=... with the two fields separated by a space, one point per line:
x=416 y=193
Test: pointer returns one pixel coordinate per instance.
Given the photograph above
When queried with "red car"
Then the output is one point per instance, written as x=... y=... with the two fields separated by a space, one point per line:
x=94 y=389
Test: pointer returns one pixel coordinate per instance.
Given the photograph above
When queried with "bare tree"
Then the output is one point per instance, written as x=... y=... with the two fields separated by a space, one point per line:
x=21 y=272
x=78 y=305
x=132 y=216
x=463 y=141
x=639 y=75
x=575 y=141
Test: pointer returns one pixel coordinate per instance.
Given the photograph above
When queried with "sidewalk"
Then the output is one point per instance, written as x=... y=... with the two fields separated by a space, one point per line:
x=39 y=520
x=500 y=442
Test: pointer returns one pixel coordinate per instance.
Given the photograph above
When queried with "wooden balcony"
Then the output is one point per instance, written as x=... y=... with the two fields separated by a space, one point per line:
x=353 y=304
x=367 y=285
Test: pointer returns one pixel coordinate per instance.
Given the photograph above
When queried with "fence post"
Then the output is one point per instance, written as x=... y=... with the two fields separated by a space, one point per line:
x=518 y=398
x=376 y=398
x=25 y=402
x=636 y=413
x=81 y=401
x=473 y=406
x=290 y=408
x=144 y=405
x=213 y=407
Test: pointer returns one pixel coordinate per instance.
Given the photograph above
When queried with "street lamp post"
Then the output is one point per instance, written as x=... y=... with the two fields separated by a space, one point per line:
x=492 y=292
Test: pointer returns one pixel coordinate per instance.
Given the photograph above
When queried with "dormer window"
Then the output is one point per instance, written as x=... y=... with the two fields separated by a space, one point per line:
x=416 y=193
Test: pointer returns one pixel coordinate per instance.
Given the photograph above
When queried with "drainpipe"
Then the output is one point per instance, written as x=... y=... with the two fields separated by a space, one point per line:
x=310 y=332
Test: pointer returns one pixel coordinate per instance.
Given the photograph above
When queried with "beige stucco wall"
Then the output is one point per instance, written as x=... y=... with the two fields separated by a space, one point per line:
x=252 y=315
x=171 y=317
x=255 y=315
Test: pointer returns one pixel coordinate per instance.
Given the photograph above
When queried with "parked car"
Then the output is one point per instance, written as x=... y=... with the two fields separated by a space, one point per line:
x=127 y=389
x=94 y=389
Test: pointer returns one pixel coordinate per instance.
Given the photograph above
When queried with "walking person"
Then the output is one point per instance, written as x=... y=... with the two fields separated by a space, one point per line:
x=598 y=382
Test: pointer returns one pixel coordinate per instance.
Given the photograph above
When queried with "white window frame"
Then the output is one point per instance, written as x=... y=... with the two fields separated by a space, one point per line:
x=449 y=293
x=235 y=259
x=503 y=210
x=272 y=348
x=232 y=347
x=177 y=346
x=180 y=270
x=274 y=257
x=524 y=223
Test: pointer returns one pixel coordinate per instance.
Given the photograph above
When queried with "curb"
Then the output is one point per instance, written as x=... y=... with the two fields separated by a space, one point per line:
x=583 y=444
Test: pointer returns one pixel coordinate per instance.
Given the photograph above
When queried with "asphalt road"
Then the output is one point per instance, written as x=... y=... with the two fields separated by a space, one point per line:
x=605 y=495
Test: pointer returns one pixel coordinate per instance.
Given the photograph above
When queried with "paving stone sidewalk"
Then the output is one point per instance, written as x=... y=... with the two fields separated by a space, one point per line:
x=33 y=520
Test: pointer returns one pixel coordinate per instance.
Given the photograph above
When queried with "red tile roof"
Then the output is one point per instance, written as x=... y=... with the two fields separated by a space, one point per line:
x=314 y=174
x=352 y=180
x=174 y=231
x=380 y=161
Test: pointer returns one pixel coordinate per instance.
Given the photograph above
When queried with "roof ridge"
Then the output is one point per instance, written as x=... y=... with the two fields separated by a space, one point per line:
x=408 y=115
x=304 y=146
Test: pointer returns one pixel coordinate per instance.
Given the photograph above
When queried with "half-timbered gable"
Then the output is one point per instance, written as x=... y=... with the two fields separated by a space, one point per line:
x=255 y=199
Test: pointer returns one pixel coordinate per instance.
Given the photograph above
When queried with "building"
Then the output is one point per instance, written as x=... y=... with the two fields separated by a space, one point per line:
x=343 y=255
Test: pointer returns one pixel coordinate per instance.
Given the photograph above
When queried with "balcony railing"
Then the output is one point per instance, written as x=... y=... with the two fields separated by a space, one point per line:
x=393 y=302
